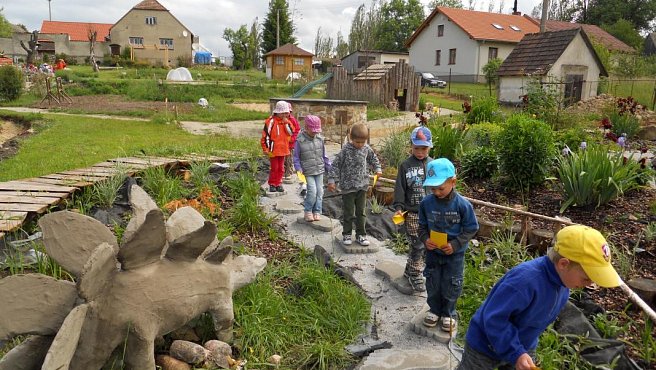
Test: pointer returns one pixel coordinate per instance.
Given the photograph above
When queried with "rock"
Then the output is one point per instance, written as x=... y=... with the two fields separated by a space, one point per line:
x=487 y=227
x=274 y=359
x=188 y=352
x=647 y=132
x=324 y=224
x=417 y=325
x=219 y=353
x=394 y=273
x=185 y=333
x=171 y=363
x=541 y=239
x=28 y=355
x=288 y=207
x=645 y=288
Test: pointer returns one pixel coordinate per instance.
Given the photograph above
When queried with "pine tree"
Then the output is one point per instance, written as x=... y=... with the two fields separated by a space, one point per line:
x=277 y=22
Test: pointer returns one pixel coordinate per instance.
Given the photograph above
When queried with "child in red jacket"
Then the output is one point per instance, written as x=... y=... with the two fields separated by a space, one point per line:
x=276 y=135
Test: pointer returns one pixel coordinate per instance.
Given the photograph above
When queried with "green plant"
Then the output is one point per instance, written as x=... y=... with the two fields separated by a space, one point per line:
x=11 y=83
x=624 y=124
x=623 y=259
x=570 y=137
x=594 y=177
x=479 y=163
x=375 y=207
x=200 y=175
x=45 y=265
x=398 y=243
x=447 y=140
x=526 y=149
x=484 y=110
x=161 y=187
x=647 y=347
x=394 y=148
x=608 y=324
x=556 y=351
x=542 y=100
x=650 y=231
x=105 y=192
x=482 y=134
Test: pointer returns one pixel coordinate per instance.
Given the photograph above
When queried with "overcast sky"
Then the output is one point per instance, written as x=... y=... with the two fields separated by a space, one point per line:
x=208 y=18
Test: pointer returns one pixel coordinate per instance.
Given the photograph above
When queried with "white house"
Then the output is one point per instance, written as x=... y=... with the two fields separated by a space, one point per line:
x=565 y=59
x=455 y=44
x=358 y=60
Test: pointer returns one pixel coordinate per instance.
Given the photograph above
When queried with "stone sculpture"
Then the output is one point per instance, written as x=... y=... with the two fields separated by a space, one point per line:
x=164 y=274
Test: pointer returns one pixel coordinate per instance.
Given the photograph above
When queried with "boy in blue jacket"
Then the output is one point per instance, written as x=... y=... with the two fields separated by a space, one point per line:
x=504 y=331
x=446 y=224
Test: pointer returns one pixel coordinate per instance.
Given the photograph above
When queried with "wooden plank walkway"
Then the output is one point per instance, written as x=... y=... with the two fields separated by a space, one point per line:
x=20 y=200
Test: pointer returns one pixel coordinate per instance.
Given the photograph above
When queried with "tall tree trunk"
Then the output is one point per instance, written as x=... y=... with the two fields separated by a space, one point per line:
x=31 y=51
x=93 y=34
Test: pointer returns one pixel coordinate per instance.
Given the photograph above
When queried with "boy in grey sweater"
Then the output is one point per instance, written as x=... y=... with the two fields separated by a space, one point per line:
x=351 y=169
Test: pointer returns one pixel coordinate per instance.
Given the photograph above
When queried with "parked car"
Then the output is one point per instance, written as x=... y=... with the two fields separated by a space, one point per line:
x=427 y=79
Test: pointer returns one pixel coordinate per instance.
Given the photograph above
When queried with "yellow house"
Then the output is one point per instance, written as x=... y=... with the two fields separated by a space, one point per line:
x=287 y=59
x=152 y=34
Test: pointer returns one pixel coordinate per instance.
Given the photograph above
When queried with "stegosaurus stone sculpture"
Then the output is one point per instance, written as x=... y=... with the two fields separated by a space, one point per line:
x=164 y=274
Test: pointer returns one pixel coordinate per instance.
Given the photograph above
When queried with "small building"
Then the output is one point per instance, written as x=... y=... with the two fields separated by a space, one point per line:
x=151 y=33
x=358 y=60
x=72 y=39
x=386 y=84
x=650 y=44
x=565 y=59
x=288 y=59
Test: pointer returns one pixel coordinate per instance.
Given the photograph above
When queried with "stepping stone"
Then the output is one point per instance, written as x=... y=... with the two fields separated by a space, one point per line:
x=288 y=181
x=403 y=359
x=287 y=207
x=394 y=273
x=275 y=194
x=436 y=332
x=324 y=224
x=356 y=248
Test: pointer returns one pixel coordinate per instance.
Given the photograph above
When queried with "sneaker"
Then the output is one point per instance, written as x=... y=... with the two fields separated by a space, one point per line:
x=308 y=217
x=272 y=189
x=303 y=192
x=347 y=240
x=448 y=324
x=430 y=320
x=279 y=189
x=417 y=283
x=317 y=216
x=362 y=240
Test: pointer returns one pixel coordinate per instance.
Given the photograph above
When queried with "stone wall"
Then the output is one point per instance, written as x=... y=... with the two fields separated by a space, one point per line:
x=336 y=115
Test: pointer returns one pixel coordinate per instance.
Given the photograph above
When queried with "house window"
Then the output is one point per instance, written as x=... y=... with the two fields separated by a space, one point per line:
x=280 y=59
x=440 y=30
x=497 y=26
x=151 y=20
x=492 y=53
x=365 y=61
x=299 y=61
x=136 y=41
x=166 y=42
x=452 y=56
x=515 y=28
x=438 y=57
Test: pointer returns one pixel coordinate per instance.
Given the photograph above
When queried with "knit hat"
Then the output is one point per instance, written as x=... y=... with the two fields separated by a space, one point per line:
x=438 y=171
x=421 y=136
x=587 y=247
x=281 y=107
x=313 y=123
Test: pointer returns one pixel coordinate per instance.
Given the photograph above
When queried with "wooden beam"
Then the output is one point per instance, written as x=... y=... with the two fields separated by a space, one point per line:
x=23 y=207
x=28 y=199
x=34 y=194
x=33 y=186
x=131 y=166
x=65 y=182
x=10 y=221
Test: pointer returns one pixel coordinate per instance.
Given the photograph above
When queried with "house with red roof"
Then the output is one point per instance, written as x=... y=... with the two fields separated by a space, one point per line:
x=72 y=39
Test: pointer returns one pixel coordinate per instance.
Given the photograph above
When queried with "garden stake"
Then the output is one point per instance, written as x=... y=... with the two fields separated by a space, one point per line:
x=637 y=300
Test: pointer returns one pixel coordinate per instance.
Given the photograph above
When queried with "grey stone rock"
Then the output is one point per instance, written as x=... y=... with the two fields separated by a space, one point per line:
x=647 y=133
x=183 y=221
x=394 y=359
x=417 y=325
x=324 y=224
x=394 y=273
x=28 y=355
x=275 y=194
x=356 y=248
x=61 y=351
x=288 y=207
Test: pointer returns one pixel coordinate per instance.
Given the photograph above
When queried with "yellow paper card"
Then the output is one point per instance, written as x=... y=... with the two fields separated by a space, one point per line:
x=375 y=179
x=301 y=177
x=438 y=238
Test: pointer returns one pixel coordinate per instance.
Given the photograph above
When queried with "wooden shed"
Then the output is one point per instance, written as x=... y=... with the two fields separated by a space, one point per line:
x=387 y=84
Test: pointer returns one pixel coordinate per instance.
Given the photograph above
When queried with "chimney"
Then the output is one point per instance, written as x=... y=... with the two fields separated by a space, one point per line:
x=545 y=14
x=515 y=11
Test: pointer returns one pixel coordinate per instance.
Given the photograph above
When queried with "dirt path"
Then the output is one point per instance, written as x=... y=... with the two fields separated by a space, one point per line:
x=9 y=130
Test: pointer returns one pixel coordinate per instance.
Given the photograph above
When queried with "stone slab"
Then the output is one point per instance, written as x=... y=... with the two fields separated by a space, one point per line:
x=287 y=207
x=356 y=248
x=324 y=224
x=417 y=326
x=275 y=194
x=394 y=273
x=288 y=180
x=403 y=359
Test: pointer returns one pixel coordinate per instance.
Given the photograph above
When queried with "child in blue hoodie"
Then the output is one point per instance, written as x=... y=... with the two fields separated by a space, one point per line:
x=504 y=331
x=446 y=224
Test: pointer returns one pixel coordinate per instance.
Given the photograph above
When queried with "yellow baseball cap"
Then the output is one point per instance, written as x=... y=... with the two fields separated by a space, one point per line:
x=587 y=247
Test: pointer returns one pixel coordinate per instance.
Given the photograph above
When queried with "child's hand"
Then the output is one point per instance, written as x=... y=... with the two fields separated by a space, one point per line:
x=525 y=362
x=379 y=174
x=269 y=154
x=447 y=249
x=399 y=213
x=430 y=245
x=332 y=187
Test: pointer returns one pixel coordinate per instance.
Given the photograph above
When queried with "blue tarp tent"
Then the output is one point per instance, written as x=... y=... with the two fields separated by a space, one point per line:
x=203 y=57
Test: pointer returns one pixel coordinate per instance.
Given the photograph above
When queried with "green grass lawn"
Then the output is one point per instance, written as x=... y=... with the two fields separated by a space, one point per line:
x=69 y=142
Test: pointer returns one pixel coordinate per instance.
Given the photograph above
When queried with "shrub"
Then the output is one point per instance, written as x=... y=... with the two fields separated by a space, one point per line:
x=447 y=141
x=11 y=83
x=484 y=110
x=624 y=124
x=479 y=163
x=482 y=134
x=541 y=100
x=572 y=137
x=394 y=148
x=526 y=149
x=593 y=177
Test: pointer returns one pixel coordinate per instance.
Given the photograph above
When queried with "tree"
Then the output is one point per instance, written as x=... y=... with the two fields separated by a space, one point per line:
x=31 y=51
x=323 y=45
x=640 y=13
x=560 y=10
x=92 y=35
x=400 y=18
x=278 y=22
x=254 y=41
x=5 y=26
x=446 y=3
x=490 y=71
x=239 y=44
x=364 y=27
x=342 y=48
x=623 y=30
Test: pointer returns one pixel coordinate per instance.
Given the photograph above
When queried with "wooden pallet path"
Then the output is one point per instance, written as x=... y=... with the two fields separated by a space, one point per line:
x=20 y=200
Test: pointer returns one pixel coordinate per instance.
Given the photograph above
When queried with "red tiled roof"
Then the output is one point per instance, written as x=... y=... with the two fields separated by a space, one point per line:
x=150 y=5
x=480 y=25
x=594 y=32
x=289 y=49
x=77 y=31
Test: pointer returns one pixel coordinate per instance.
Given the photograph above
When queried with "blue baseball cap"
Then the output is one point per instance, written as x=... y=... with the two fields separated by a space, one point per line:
x=421 y=136
x=438 y=171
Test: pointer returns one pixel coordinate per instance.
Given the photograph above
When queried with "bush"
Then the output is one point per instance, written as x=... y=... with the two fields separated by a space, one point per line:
x=11 y=83
x=447 y=141
x=482 y=134
x=484 y=110
x=572 y=137
x=526 y=150
x=593 y=177
x=624 y=124
x=394 y=148
x=479 y=163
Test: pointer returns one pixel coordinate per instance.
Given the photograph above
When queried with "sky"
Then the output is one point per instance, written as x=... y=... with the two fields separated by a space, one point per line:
x=209 y=18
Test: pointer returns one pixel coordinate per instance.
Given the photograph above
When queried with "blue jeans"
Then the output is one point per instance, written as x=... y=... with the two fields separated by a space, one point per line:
x=474 y=360
x=314 y=197
x=444 y=277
